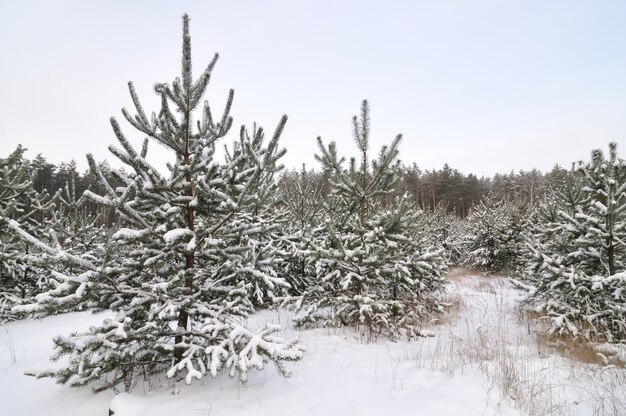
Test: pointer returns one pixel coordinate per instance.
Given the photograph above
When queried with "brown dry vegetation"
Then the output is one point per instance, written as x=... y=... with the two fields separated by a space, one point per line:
x=575 y=348
x=543 y=375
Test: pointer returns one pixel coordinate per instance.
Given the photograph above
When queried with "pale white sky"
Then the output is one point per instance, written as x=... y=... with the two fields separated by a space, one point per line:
x=485 y=86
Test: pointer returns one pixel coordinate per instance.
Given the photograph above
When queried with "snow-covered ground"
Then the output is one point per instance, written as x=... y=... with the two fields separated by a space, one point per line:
x=480 y=361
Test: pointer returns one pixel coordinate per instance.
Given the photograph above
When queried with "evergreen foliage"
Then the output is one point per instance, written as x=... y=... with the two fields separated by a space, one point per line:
x=447 y=230
x=23 y=269
x=430 y=189
x=189 y=257
x=183 y=258
x=495 y=235
x=546 y=234
x=259 y=225
x=576 y=269
x=78 y=232
x=374 y=269
x=302 y=196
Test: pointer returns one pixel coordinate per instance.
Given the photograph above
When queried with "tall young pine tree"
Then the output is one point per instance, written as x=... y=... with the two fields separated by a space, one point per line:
x=302 y=199
x=374 y=270
x=181 y=275
x=577 y=271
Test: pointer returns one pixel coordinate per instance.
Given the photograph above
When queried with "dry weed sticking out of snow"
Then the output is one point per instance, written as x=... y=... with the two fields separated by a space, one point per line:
x=511 y=353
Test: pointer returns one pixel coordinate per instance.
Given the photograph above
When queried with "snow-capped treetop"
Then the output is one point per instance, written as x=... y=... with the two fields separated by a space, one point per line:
x=360 y=184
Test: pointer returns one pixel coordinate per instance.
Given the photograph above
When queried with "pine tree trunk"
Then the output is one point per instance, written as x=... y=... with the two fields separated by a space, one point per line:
x=609 y=239
x=25 y=276
x=433 y=196
x=362 y=210
x=183 y=317
x=611 y=254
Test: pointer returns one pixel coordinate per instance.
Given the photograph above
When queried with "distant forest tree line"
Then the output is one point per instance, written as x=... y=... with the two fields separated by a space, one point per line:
x=448 y=188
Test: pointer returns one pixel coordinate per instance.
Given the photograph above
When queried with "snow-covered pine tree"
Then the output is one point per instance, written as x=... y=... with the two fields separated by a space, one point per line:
x=447 y=230
x=604 y=245
x=486 y=235
x=23 y=268
x=578 y=278
x=373 y=270
x=522 y=215
x=301 y=194
x=76 y=230
x=177 y=276
x=547 y=234
x=495 y=235
x=259 y=225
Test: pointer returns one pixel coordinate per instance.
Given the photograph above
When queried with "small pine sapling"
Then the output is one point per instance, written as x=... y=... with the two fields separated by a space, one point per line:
x=495 y=235
x=302 y=197
x=24 y=268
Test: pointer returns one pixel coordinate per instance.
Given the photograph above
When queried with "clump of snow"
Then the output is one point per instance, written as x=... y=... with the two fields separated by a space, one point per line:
x=128 y=234
x=176 y=234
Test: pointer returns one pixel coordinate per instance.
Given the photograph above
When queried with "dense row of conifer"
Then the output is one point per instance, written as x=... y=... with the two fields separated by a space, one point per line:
x=433 y=189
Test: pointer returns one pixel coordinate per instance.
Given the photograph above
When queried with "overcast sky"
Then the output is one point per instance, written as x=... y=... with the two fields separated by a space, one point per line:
x=485 y=86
